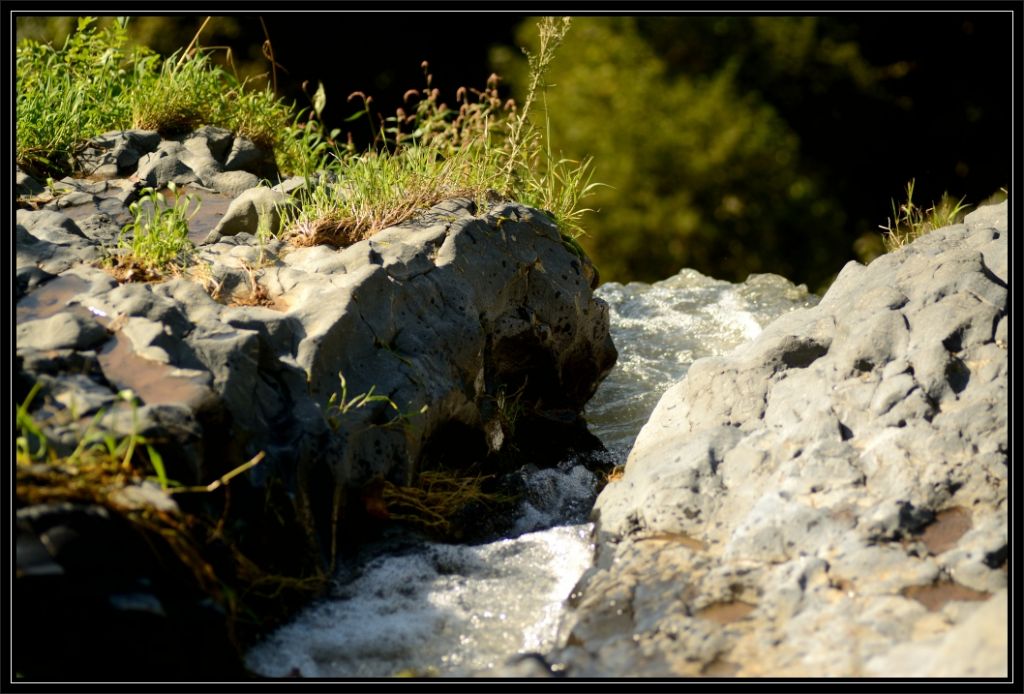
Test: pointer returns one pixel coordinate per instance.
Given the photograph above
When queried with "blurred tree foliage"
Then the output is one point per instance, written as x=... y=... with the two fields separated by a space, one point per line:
x=703 y=171
x=731 y=145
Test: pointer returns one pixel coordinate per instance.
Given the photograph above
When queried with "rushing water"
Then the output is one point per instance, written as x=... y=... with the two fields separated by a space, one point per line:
x=409 y=606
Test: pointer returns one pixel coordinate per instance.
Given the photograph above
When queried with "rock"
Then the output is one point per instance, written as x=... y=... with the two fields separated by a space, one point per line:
x=164 y=166
x=973 y=647
x=28 y=277
x=218 y=141
x=290 y=184
x=26 y=186
x=101 y=227
x=828 y=499
x=117 y=152
x=82 y=395
x=48 y=225
x=443 y=316
x=74 y=199
x=89 y=585
x=234 y=182
x=196 y=155
x=63 y=331
x=473 y=327
x=527 y=665
x=246 y=156
x=51 y=241
x=246 y=211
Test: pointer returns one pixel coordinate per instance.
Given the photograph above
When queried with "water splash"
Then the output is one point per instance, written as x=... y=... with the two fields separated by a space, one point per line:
x=660 y=329
x=434 y=609
x=425 y=608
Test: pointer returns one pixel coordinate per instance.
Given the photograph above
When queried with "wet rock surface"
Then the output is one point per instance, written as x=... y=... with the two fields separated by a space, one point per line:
x=829 y=499
x=476 y=328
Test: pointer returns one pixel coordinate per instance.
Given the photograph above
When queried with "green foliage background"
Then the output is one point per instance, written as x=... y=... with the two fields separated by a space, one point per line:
x=702 y=171
x=731 y=145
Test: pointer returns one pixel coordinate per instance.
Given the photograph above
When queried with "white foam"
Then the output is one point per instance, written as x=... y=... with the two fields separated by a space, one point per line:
x=440 y=609
x=455 y=610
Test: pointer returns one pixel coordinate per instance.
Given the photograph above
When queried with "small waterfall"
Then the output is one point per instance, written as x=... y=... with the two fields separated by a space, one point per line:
x=406 y=605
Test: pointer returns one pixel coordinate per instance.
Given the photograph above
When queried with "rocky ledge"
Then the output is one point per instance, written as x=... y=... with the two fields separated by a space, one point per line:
x=301 y=378
x=829 y=499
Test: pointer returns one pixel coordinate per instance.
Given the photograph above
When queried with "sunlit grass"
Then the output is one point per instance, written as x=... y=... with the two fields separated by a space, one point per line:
x=910 y=221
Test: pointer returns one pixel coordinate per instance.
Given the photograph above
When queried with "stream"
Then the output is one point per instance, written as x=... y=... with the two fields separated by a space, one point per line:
x=408 y=606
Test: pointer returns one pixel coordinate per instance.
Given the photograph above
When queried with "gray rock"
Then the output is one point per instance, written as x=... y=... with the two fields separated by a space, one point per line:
x=26 y=186
x=233 y=182
x=64 y=330
x=826 y=500
x=245 y=213
x=290 y=184
x=197 y=156
x=974 y=647
x=102 y=228
x=246 y=156
x=444 y=312
x=81 y=395
x=28 y=277
x=117 y=152
x=218 y=141
x=74 y=199
x=51 y=226
x=165 y=166
x=51 y=241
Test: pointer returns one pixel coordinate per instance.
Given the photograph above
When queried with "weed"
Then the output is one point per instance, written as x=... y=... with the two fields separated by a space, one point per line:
x=510 y=408
x=427 y=152
x=339 y=405
x=97 y=82
x=156 y=240
x=437 y=497
x=31 y=442
x=909 y=221
x=203 y=274
x=67 y=95
x=258 y=295
x=97 y=452
x=615 y=474
x=102 y=466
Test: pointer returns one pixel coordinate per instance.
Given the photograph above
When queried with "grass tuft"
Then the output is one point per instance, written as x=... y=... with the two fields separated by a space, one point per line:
x=485 y=148
x=97 y=82
x=909 y=221
x=103 y=465
x=482 y=146
x=156 y=240
x=436 y=499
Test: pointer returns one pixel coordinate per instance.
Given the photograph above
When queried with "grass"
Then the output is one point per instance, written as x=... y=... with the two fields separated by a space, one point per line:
x=156 y=240
x=435 y=500
x=483 y=148
x=97 y=81
x=102 y=465
x=97 y=451
x=910 y=221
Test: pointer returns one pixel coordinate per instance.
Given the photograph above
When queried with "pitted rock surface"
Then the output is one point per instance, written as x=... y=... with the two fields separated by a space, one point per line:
x=474 y=330
x=829 y=499
x=446 y=316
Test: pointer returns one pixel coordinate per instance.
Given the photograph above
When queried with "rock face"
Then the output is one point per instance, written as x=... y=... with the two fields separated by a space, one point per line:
x=467 y=330
x=829 y=499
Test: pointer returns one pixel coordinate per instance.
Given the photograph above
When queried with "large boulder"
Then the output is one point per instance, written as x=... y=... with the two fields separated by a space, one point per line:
x=829 y=499
x=305 y=378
